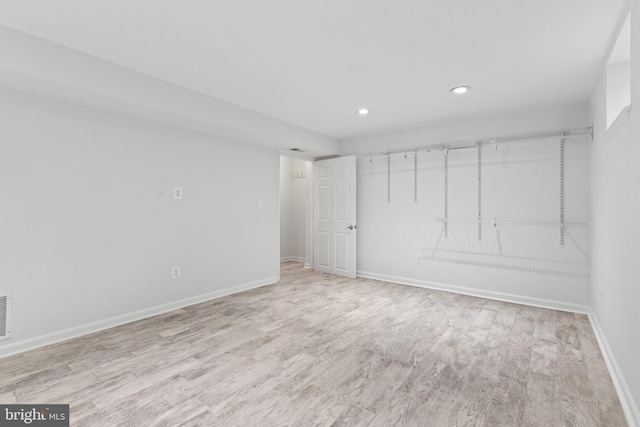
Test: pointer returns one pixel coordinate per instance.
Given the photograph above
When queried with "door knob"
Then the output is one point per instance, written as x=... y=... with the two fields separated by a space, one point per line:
x=351 y=227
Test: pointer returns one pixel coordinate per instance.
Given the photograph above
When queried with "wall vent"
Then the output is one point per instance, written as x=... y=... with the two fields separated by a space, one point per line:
x=4 y=317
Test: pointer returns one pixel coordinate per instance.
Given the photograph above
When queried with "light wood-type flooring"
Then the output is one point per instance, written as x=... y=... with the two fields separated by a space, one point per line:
x=318 y=350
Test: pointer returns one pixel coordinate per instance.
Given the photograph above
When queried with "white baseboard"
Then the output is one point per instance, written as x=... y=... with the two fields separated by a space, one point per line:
x=626 y=400
x=499 y=296
x=89 y=328
x=307 y=265
x=292 y=258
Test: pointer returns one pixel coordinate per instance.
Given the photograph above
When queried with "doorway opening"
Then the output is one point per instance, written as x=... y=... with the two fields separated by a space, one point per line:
x=296 y=211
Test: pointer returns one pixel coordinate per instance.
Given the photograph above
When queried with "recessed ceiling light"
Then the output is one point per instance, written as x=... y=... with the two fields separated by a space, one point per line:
x=459 y=90
x=363 y=111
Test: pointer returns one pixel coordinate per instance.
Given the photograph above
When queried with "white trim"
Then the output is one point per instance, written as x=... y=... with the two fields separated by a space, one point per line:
x=498 y=296
x=626 y=399
x=278 y=209
x=89 y=328
x=292 y=258
x=309 y=209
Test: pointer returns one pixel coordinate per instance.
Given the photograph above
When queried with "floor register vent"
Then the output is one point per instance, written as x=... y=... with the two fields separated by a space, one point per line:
x=4 y=317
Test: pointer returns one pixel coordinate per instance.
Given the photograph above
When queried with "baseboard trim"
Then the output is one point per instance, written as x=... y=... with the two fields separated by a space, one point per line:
x=89 y=328
x=292 y=258
x=499 y=296
x=626 y=400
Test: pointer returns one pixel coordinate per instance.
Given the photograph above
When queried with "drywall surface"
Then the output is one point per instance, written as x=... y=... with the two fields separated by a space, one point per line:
x=86 y=234
x=519 y=182
x=294 y=196
x=38 y=66
x=615 y=207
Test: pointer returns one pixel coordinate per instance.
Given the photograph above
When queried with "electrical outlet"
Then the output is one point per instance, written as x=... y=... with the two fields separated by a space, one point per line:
x=175 y=272
x=419 y=258
x=177 y=193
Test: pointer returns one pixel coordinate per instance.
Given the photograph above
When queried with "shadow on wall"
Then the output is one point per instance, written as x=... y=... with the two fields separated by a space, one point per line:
x=531 y=246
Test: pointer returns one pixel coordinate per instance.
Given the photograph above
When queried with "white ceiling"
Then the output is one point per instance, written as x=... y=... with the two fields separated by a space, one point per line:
x=315 y=63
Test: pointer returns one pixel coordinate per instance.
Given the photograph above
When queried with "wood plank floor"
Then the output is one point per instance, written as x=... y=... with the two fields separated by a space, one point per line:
x=317 y=350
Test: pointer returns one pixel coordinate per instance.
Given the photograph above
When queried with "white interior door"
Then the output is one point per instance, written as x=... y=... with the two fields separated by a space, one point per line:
x=335 y=216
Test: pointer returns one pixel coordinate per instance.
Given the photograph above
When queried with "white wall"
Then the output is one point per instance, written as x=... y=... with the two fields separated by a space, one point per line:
x=615 y=206
x=294 y=196
x=84 y=237
x=519 y=182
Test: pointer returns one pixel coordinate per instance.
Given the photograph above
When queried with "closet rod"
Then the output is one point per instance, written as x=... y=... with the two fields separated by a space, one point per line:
x=456 y=145
x=496 y=222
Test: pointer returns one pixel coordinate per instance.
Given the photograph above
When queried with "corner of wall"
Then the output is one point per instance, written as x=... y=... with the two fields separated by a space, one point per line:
x=624 y=394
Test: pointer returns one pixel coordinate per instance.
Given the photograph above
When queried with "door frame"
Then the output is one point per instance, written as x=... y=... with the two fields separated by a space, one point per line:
x=309 y=209
x=309 y=212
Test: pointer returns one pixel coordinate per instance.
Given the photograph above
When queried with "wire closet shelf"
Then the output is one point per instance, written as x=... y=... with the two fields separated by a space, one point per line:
x=510 y=243
x=462 y=144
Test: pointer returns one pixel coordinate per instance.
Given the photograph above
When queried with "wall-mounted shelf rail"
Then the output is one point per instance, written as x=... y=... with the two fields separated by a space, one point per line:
x=497 y=222
x=444 y=149
x=457 y=145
